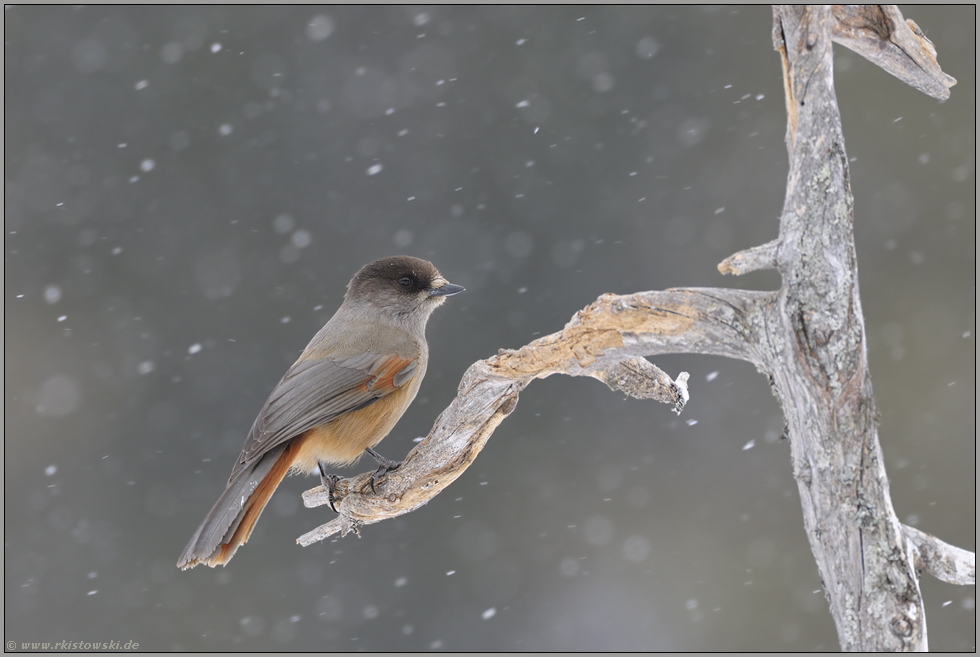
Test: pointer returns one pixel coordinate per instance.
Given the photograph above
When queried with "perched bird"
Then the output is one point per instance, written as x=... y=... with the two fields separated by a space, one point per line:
x=344 y=394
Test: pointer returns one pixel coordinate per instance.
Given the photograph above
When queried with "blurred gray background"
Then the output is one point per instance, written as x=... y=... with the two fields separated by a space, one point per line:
x=188 y=191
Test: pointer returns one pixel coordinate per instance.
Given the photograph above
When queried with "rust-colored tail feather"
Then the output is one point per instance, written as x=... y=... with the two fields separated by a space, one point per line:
x=230 y=522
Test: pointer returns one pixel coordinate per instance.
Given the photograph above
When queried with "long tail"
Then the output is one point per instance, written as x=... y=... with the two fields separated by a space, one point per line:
x=230 y=521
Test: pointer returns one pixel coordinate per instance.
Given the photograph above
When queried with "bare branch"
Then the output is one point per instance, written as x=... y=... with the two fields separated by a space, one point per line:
x=880 y=34
x=943 y=561
x=754 y=259
x=641 y=379
x=605 y=341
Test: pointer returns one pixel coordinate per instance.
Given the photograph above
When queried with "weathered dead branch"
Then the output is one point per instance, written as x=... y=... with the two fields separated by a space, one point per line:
x=606 y=341
x=880 y=34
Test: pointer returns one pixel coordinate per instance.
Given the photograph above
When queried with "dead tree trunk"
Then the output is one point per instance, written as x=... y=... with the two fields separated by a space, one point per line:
x=808 y=337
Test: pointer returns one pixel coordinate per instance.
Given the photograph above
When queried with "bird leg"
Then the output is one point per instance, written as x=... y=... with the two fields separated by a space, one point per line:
x=329 y=481
x=384 y=465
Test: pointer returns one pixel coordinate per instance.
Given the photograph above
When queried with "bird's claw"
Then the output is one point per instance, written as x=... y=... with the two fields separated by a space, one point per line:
x=329 y=481
x=383 y=469
x=384 y=466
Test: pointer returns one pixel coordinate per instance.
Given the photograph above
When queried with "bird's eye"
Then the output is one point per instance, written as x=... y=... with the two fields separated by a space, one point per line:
x=405 y=281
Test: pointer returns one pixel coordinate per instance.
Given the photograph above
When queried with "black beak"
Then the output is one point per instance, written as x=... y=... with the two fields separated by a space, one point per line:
x=446 y=290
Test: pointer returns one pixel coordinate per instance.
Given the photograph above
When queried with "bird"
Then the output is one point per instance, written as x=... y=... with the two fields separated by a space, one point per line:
x=341 y=397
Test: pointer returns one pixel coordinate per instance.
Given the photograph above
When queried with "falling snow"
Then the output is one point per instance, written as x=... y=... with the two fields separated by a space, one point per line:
x=236 y=195
x=52 y=294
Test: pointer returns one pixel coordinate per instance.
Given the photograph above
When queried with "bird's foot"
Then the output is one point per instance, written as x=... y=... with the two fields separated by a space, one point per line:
x=329 y=481
x=384 y=466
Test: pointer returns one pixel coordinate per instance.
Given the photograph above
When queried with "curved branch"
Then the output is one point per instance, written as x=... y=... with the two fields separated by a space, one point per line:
x=606 y=341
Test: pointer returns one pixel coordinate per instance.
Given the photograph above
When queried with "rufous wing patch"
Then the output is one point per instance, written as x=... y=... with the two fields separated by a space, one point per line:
x=391 y=375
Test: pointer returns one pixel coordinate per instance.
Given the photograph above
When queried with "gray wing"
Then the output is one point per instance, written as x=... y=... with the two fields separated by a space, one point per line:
x=318 y=390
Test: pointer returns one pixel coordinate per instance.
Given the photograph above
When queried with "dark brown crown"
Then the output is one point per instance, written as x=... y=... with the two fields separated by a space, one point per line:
x=405 y=274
